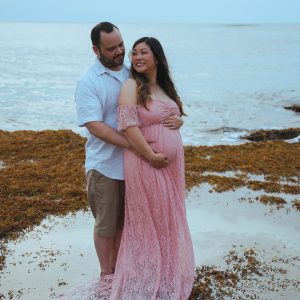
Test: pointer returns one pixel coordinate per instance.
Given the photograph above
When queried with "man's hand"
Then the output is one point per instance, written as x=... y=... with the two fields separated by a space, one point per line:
x=173 y=122
x=159 y=160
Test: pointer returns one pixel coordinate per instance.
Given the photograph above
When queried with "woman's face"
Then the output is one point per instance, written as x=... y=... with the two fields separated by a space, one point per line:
x=143 y=60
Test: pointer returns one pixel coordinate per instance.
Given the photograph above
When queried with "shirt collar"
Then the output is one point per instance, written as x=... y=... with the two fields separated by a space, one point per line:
x=100 y=68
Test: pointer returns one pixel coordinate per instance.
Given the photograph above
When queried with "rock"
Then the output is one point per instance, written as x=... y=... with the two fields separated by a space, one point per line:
x=272 y=135
x=295 y=108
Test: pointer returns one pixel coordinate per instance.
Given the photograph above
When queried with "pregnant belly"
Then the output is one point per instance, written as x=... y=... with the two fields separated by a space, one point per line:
x=169 y=143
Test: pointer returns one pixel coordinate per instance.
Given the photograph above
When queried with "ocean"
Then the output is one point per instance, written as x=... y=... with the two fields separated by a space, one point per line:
x=232 y=78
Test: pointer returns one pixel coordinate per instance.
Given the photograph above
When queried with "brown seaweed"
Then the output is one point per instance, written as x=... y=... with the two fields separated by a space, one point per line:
x=41 y=173
x=247 y=273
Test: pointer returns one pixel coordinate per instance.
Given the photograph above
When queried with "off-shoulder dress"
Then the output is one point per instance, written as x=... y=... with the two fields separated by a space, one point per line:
x=156 y=259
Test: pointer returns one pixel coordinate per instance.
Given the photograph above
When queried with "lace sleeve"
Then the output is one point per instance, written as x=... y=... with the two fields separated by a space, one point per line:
x=127 y=116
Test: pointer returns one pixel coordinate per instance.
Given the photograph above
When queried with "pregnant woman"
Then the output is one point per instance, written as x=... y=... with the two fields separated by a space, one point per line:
x=156 y=260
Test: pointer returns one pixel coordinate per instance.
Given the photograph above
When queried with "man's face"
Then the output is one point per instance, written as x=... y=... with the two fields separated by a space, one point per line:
x=111 y=50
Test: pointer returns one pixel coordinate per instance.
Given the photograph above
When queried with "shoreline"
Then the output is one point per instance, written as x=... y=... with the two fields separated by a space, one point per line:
x=48 y=165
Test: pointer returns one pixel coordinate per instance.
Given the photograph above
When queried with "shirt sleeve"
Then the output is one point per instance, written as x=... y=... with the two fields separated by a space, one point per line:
x=128 y=117
x=88 y=104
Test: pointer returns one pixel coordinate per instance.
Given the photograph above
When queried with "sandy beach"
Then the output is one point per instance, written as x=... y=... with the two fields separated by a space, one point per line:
x=242 y=207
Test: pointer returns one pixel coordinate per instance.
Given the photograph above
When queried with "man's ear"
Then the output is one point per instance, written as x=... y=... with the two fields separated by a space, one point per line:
x=96 y=50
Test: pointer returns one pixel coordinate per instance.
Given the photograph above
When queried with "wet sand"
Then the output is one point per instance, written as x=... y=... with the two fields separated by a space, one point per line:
x=245 y=239
x=227 y=225
x=59 y=254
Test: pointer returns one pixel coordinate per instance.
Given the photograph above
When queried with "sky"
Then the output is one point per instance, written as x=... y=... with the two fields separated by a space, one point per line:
x=151 y=11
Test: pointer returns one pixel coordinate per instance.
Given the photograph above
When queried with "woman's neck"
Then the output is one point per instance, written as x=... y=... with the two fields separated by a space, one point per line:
x=152 y=77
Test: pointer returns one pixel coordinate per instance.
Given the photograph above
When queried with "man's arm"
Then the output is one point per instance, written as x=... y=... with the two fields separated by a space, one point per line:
x=107 y=134
x=90 y=115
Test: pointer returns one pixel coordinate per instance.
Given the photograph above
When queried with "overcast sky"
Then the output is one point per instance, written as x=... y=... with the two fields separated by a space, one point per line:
x=163 y=11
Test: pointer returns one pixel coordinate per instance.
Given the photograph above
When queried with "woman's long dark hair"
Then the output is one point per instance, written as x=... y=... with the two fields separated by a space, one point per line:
x=163 y=77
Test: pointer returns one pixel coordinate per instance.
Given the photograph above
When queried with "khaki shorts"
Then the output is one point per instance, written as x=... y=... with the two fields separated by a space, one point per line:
x=106 y=199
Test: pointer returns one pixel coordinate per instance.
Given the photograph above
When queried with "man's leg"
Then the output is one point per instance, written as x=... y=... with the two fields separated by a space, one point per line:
x=120 y=223
x=104 y=247
x=104 y=200
x=116 y=246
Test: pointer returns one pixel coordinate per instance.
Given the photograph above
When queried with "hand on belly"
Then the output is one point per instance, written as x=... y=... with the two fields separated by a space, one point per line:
x=167 y=145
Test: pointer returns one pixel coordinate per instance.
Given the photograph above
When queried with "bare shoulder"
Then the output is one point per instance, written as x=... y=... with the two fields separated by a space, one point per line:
x=128 y=94
x=130 y=82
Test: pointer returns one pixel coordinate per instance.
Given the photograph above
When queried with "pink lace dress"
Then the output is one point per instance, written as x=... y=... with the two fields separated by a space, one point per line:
x=156 y=259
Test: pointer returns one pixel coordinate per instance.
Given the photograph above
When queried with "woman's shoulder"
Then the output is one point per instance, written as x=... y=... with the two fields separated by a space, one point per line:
x=129 y=83
x=128 y=93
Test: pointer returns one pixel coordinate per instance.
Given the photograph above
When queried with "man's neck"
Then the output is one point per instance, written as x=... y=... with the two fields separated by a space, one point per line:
x=117 y=68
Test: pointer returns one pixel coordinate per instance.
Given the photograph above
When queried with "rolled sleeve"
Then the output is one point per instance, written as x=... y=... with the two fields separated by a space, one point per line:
x=88 y=104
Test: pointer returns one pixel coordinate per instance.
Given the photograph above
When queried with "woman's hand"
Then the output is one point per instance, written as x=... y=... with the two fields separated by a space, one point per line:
x=173 y=122
x=158 y=160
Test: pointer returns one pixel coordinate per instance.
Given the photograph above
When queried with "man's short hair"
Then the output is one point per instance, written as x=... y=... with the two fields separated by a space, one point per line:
x=96 y=31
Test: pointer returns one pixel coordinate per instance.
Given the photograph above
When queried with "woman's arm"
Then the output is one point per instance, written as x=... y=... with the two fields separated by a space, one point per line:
x=133 y=134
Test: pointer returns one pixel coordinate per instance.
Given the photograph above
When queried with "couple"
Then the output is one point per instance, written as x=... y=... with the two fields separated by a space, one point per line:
x=132 y=118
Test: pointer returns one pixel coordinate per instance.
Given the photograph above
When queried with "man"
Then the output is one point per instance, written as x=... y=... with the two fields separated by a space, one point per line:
x=96 y=103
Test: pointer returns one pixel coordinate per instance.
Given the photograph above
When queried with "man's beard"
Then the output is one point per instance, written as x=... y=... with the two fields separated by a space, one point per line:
x=112 y=63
